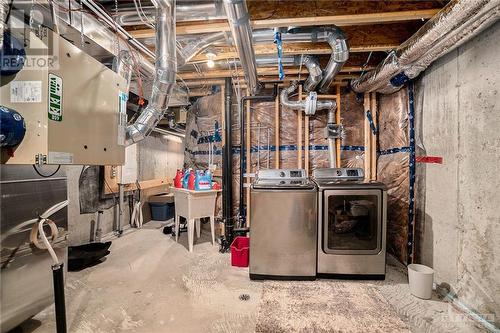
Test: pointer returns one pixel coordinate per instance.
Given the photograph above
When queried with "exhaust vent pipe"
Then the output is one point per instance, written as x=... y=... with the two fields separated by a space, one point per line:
x=340 y=54
x=310 y=106
x=315 y=73
x=239 y=22
x=165 y=72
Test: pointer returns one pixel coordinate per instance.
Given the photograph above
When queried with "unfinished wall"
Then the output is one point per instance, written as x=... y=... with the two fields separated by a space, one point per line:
x=459 y=105
x=158 y=156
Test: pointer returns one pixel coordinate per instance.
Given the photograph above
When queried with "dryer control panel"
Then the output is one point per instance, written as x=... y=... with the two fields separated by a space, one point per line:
x=339 y=173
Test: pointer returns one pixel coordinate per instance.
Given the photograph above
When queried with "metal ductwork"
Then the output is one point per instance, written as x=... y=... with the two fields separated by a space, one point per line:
x=196 y=46
x=310 y=105
x=185 y=11
x=340 y=54
x=456 y=23
x=165 y=72
x=335 y=38
x=239 y=22
x=315 y=73
x=303 y=105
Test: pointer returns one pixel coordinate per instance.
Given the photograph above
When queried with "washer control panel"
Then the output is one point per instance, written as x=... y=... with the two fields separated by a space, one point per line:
x=282 y=174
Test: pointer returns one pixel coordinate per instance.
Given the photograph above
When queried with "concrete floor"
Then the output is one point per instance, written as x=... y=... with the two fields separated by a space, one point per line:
x=149 y=283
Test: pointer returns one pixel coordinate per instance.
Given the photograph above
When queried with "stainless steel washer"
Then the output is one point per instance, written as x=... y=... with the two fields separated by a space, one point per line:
x=283 y=229
x=351 y=224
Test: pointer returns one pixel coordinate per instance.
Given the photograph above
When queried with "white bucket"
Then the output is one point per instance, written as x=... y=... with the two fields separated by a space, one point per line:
x=420 y=278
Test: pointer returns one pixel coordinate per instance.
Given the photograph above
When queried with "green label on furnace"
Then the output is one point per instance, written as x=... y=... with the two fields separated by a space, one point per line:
x=55 y=97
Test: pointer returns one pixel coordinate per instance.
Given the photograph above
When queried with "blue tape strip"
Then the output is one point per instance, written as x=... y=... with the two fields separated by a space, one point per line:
x=370 y=120
x=394 y=150
x=411 y=206
x=279 y=46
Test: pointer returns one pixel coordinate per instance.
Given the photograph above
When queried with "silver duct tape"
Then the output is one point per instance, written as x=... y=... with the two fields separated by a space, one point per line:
x=165 y=72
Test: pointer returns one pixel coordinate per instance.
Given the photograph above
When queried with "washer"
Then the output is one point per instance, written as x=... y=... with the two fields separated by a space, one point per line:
x=283 y=225
x=352 y=224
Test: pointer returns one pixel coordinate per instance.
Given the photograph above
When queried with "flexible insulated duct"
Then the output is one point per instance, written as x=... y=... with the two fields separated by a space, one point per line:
x=239 y=22
x=456 y=23
x=165 y=72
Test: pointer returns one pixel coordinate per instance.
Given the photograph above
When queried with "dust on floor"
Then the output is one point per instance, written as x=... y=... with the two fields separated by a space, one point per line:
x=150 y=283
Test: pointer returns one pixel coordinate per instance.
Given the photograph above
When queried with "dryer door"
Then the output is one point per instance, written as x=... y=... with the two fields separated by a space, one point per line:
x=352 y=221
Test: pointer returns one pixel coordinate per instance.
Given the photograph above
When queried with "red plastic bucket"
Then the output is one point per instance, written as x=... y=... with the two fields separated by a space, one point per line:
x=239 y=251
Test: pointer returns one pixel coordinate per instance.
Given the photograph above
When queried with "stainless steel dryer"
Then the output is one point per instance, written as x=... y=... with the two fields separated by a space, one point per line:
x=352 y=215
x=283 y=225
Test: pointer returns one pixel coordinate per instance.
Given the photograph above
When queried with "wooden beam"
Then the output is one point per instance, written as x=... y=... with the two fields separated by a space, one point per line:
x=338 y=20
x=228 y=52
x=373 y=110
x=261 y=71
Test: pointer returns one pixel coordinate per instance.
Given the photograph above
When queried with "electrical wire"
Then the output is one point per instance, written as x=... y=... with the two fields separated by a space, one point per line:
x=46 y=176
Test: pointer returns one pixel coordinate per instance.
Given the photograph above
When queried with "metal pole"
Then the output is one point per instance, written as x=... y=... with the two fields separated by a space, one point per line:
x=121 y=196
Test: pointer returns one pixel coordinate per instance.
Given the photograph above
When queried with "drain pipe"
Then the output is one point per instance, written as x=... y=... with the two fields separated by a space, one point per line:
x=239 y=22
x=165 y=72
x=261 y=98
x=310 y=105
x=227 y=170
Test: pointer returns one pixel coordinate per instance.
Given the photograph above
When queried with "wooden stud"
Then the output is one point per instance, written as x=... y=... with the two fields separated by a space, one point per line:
x=338 y=20
x=337 y=120
x=367 y=132
x=373 y=110
x=277 y=130
x=299 y=132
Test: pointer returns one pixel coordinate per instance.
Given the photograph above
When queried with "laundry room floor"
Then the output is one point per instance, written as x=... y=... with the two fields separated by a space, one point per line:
x=150 y=283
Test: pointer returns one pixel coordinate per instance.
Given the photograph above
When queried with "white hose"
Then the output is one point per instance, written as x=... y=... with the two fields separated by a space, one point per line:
x=43 y=219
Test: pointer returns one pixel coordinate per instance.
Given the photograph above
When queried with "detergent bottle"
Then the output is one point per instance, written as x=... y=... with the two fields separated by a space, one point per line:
x=203 y=181
x=185 y=179
x=191 y=180
x=179 y=175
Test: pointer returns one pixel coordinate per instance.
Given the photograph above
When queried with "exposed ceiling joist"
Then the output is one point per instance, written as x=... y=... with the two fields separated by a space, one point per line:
x=292 y=49
x=262 y=71
x=339 y=20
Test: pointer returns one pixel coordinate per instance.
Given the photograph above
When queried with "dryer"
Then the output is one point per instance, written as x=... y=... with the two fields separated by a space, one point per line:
x=352 y=224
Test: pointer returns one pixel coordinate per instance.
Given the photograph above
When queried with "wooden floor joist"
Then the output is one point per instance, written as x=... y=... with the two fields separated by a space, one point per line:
x=339 y=20
x=264 y=71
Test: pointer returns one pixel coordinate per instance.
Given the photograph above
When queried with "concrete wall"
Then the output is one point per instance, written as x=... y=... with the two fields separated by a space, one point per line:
x=158 y=156
x=461 y=122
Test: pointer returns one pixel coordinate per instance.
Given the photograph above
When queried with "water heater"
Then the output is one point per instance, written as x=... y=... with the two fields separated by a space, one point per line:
x=73 y=107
